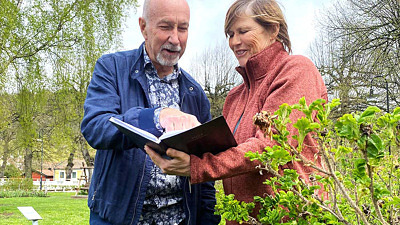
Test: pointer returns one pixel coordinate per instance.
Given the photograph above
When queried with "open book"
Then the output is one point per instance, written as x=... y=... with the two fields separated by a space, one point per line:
x=213 y=136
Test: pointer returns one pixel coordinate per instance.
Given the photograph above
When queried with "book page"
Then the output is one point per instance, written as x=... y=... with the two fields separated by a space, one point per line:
x=136 y=130
x=170 y=134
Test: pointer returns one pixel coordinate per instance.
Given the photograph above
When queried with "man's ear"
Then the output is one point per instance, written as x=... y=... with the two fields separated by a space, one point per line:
x=142 y=25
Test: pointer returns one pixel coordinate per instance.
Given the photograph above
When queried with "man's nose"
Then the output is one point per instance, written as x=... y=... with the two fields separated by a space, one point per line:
x=173 y=37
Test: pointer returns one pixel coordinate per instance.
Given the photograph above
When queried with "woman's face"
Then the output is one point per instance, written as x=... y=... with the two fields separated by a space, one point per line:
x=247 y=37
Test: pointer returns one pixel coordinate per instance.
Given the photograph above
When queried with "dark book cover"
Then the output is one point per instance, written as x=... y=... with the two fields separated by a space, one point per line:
x=213 y=136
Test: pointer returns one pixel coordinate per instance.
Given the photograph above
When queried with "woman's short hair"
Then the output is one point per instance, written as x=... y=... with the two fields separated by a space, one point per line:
x=265 y=13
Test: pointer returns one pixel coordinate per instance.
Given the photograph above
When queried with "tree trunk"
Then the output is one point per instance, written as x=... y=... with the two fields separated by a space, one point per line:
x=85 y=152
x=6 y=154
x=88 y=159
x=69 y=167
x=28 y=162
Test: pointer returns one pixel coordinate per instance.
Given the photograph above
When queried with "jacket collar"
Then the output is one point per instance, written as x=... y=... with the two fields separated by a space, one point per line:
x=259 y=64
x=138 y=62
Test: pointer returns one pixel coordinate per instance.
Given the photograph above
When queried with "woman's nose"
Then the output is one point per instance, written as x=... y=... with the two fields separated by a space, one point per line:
x=235 y=40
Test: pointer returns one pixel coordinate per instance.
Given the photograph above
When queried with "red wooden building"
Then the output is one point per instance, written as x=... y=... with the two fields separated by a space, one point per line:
x=47 y=175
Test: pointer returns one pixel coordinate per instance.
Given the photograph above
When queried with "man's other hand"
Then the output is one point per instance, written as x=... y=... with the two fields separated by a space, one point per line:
x=178 y=165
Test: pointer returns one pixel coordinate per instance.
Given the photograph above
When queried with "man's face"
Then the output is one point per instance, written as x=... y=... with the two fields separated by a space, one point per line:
x=166 y=31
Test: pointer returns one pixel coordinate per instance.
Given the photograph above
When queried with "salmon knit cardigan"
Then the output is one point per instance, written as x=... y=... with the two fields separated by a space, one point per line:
x=271 y=78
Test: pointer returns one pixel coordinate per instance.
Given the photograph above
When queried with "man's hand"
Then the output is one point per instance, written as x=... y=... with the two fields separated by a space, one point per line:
x=178 y=165
x=173 y=119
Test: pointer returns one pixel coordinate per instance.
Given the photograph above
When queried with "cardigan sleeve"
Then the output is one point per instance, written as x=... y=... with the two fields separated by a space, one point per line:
x=297 y=78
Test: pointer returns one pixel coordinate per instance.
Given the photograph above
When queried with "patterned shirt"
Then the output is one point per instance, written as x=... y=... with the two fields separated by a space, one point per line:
x=162 y=204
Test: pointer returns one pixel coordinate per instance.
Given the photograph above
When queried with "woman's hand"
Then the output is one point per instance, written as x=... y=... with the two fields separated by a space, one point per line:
x=179 y=164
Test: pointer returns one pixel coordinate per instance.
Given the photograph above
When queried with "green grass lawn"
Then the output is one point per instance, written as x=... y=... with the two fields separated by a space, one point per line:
x=58 y=208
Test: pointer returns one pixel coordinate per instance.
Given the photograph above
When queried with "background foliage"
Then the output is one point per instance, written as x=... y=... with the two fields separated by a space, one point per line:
x=358 y=49
x=47 y=52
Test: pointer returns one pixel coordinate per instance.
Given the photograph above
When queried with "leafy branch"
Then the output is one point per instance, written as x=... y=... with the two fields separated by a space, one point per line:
x=351 y=153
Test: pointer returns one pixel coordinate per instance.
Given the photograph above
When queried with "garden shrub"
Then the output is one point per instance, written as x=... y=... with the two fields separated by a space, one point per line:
x=360 y=172
x=22 y=193
x=14 y=184
x=19 y=187
x=12 y=171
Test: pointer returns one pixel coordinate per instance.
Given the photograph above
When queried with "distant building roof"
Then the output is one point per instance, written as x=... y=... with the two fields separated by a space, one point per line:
x=77 y=164
x=47 y=173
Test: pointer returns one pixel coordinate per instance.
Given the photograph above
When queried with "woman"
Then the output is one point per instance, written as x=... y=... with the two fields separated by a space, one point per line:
x=258 y=37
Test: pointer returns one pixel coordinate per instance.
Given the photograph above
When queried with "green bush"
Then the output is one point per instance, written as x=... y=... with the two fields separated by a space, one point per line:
x=12 y=171
x=14 y=184
x=21 y=193
x=83 y=192
x=360 y=175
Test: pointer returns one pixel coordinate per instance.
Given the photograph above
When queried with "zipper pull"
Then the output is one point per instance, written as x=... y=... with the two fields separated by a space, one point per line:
x=94 y=194
x=190 y=186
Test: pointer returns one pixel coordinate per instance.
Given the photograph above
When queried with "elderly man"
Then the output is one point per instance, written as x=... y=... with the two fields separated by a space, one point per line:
x=146 y=88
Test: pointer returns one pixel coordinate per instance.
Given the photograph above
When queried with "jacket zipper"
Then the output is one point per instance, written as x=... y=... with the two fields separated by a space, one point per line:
x=97 y=188
x=140 y=185
x=94 y=194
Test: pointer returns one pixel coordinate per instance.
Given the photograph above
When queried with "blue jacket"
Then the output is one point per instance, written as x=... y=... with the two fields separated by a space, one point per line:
x=119 y=89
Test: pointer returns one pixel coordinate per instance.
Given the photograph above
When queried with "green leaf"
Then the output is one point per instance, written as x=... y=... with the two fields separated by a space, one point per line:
x=314 y=126
x=345 y=150
x=335 y=102
x=380 y=191
x=396 y=111
x=359 y=172
x=395 y=201
x=302 y=124
x=375 y=147
x=347 y=127
x=232 y=209
x=302 y=101
x=341 y=152
x=279 y=157
x=317 y=103
x=368 y=113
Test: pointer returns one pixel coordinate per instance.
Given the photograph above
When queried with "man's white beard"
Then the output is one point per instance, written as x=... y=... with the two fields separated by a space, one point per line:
x=165 y=61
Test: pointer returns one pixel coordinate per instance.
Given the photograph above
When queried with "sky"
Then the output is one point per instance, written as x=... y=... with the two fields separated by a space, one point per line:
x=207 y=19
